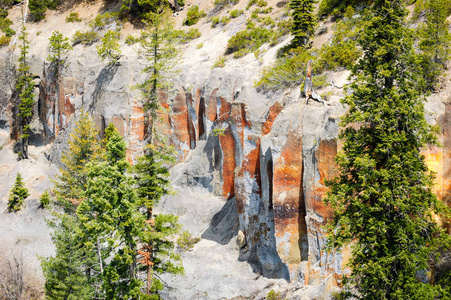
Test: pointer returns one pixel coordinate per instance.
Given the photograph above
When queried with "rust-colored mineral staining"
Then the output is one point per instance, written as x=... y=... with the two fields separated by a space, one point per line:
x=228 y=167
x=274 y=111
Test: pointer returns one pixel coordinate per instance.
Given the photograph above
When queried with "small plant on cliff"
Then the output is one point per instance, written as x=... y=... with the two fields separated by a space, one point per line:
x=109 y=49
x=24 y=88
x=193 y=15
x=17 y=195
x=382 y=198
x=73 y=17
x=44 y=200
x=85 y=37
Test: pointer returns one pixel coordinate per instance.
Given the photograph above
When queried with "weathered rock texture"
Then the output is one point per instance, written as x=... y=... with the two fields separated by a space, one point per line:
x=266 y=157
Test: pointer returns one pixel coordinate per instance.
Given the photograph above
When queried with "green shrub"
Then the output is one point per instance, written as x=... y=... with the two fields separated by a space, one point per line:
x=102 y=20
x=273 y=295
x=193 y=15
x=45 y=200
x=236 y=13
x=219 y=63
x=37 y=9
x=215 y=21
x=284 y=27
x=4 y=40
x=198 y=46
x=259 y=3
x=184 y=37
x=220 y=4
x=85 y=37
x=73 y=17
x=342 y=51
x=186 y=241
x=287 y=72
x=249 y=40
x=338 y=7
x=130 y=39
x=4 y=26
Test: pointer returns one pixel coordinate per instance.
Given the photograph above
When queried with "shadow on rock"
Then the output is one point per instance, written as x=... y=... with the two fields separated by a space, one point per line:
x=104 y=79
x=224 y=225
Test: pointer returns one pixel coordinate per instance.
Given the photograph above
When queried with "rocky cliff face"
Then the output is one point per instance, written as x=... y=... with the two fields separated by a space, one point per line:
x=257 y=181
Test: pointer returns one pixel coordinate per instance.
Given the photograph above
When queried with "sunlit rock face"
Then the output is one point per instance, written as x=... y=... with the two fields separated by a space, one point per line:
x=267 y=155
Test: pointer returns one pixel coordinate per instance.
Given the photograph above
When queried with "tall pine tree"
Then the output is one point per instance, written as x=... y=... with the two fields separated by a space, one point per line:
x=304 y=21
x=161 y=53
x=84 y=147
x=24 y=88
x=59 y=46
x=157 y=254
x=383 y=199
x=111 y=224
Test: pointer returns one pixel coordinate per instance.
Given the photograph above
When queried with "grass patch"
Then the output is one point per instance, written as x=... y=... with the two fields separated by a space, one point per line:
x=219 y=63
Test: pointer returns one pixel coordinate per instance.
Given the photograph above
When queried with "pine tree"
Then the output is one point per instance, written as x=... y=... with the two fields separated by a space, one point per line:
x=24 y=88
x=304 y=21
x=161 y=53
x=110 y=49
x=59 y=46
x=44 y=200
x=157 y=251
x=17 y=195
x=111 y=224
x=382 y=199
x=435 y=41
x=83 y=148
x=68 y=275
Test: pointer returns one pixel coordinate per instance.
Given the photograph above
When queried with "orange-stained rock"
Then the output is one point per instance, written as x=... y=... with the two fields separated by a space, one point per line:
x=135 y=133
x=180 y=124
x=212 y=111
x=228 y=166
x=289 y=208
x=273 y=112
x=325 y=164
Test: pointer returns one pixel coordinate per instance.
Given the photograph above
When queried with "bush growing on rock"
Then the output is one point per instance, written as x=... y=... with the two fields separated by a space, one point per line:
x=88 y=37
x=193 y=15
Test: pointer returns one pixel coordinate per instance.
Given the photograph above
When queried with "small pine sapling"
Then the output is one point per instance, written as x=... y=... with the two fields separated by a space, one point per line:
x=18 y=194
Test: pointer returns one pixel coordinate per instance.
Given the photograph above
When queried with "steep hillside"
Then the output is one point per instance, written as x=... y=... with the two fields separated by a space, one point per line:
x=252 y=193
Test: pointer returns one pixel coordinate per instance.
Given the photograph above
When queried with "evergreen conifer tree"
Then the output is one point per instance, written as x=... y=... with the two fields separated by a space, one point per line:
x=382 y=199
x=304 y=21
x=44 y=200
x=161 y=53
x=157 y=250
x=71 y=273
x=24 y=88
x=109 y=49
x=17 y=195
x=435 y=42
x=83 y=148
x=111 y=224
x=59 y=46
